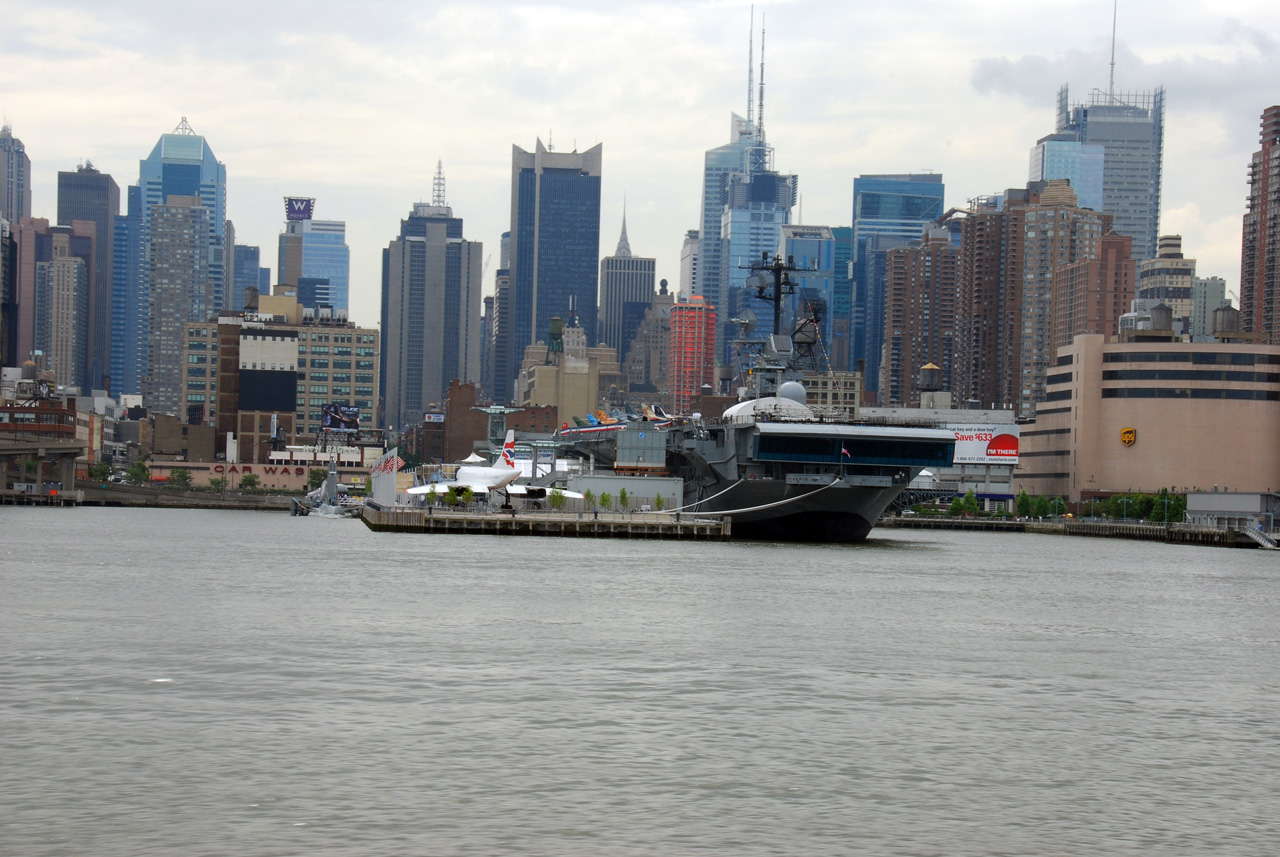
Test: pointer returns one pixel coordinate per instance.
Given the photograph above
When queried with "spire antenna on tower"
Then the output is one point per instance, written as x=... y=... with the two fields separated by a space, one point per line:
x=760 y=109
x=1111 y=87
x=437 y=186
x=751 y=64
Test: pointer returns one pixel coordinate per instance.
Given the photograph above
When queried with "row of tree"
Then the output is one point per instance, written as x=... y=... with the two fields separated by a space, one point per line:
x=1161 y=507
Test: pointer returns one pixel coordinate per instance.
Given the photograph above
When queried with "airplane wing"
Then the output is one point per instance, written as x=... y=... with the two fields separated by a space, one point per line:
x=442 y=488
x=537 y=492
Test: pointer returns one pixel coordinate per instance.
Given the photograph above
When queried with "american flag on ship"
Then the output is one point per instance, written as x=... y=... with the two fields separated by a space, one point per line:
x=387 y=464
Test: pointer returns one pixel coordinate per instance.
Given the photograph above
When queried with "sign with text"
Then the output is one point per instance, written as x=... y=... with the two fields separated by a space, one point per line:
x=298 y=207
x=986 y=444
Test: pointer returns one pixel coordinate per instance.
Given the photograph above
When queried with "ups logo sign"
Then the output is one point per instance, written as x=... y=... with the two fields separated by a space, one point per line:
x=1128 y=436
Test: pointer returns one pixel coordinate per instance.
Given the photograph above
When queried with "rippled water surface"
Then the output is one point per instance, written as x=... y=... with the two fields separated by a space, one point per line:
x=198 y=682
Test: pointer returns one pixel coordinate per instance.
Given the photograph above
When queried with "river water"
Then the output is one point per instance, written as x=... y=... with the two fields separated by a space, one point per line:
x=203 y=682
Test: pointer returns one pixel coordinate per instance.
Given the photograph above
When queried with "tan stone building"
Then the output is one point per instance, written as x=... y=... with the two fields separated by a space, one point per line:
x=574 y=379
x=1141 y=416
x=277 y=362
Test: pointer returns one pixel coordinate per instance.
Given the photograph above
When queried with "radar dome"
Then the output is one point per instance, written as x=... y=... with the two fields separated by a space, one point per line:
x=794 y=391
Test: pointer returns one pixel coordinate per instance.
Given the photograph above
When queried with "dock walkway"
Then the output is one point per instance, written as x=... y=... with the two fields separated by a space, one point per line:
x=588 y=525
x=1181 y=534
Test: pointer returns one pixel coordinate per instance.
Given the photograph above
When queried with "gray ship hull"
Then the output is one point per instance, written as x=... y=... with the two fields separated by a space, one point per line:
x=801 y=513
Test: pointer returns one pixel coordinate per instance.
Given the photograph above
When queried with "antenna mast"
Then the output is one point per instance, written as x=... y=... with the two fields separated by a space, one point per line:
x=751 y=62
x=760 y=110
x=437 y=186
x=1111 y=87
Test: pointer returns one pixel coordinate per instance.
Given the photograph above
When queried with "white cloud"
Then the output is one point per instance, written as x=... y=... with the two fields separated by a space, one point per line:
x=354 y=105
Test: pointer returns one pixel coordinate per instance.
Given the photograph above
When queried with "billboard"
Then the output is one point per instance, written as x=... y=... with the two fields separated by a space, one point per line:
x=339 y=418
x=433 y=418
x=985 y=444
x=298 y=207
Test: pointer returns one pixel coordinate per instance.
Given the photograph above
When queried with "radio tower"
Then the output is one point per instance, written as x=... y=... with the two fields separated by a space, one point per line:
x=437 y=186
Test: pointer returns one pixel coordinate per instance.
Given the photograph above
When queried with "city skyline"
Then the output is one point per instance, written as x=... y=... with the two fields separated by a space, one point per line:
x=840 y=102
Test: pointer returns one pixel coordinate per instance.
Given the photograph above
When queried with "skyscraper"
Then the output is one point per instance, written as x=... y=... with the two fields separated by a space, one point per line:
x=315 y=259
x=1260 y=249
x=1063 y=156
x=182 y=290
x=555 y=250
x=1130 y=128
x=756 y=207
x=15 y=177
x=180 y=165
x=691 y=361
x=431 y=312
x=813 y=250
x=842 y=299
x=689 y=262
x=1090 y=294
x=718 y=165
x=1168 y=277
x=88 y=194
x=128 y=297
x=54 y=275
x=920 y=316
x=8 y=307
x=247 y=272
x=626 y=290
x=888 y=211
x=1011 y=250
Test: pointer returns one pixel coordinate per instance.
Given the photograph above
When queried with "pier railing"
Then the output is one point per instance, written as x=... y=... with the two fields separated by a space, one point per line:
x=546 y=522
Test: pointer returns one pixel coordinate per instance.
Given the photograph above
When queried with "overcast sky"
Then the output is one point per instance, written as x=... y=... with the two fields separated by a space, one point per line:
x=355 y=104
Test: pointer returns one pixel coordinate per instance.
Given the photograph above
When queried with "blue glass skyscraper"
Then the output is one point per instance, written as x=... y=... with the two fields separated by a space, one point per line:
x=1063 y=156
x=888 y=211
x=315 y=259
x=1129 y=126
x=555 y=249
x=247 y=273
x=180 y=165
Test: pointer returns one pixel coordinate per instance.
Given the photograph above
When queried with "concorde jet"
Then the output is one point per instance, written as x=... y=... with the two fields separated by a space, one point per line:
x=500 y=476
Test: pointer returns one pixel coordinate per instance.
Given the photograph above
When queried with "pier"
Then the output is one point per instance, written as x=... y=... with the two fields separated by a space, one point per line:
x=587 y=525
x=1178 y=534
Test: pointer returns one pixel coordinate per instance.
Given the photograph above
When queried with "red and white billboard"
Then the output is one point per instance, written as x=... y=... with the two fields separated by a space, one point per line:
x=985 y=444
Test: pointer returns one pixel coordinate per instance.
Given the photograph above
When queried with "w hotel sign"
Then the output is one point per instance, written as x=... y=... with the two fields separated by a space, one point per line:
x=298 y=207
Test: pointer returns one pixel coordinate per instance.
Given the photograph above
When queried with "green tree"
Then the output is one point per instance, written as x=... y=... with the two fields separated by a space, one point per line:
x=606 y=501
x=179 y=478
x=451 y=496
x=217 y=483
x=956 y=508
x=624 y=500
x=467 y=497
x=659 y=503
x=1024 y=505
x=970 y=503
x=1040 y=507
x=1142 y=505
x=100 y=472
x=138 y=474
x=316 y=477
x=250 y=482
x=1057 y=506
x=589 y=498
x=556 y=499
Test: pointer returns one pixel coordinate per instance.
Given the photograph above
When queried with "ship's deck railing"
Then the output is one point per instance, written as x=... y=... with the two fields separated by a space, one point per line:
x=835 y=420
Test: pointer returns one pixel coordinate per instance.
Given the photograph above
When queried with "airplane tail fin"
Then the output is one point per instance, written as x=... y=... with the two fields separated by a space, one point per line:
x=509 y=449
